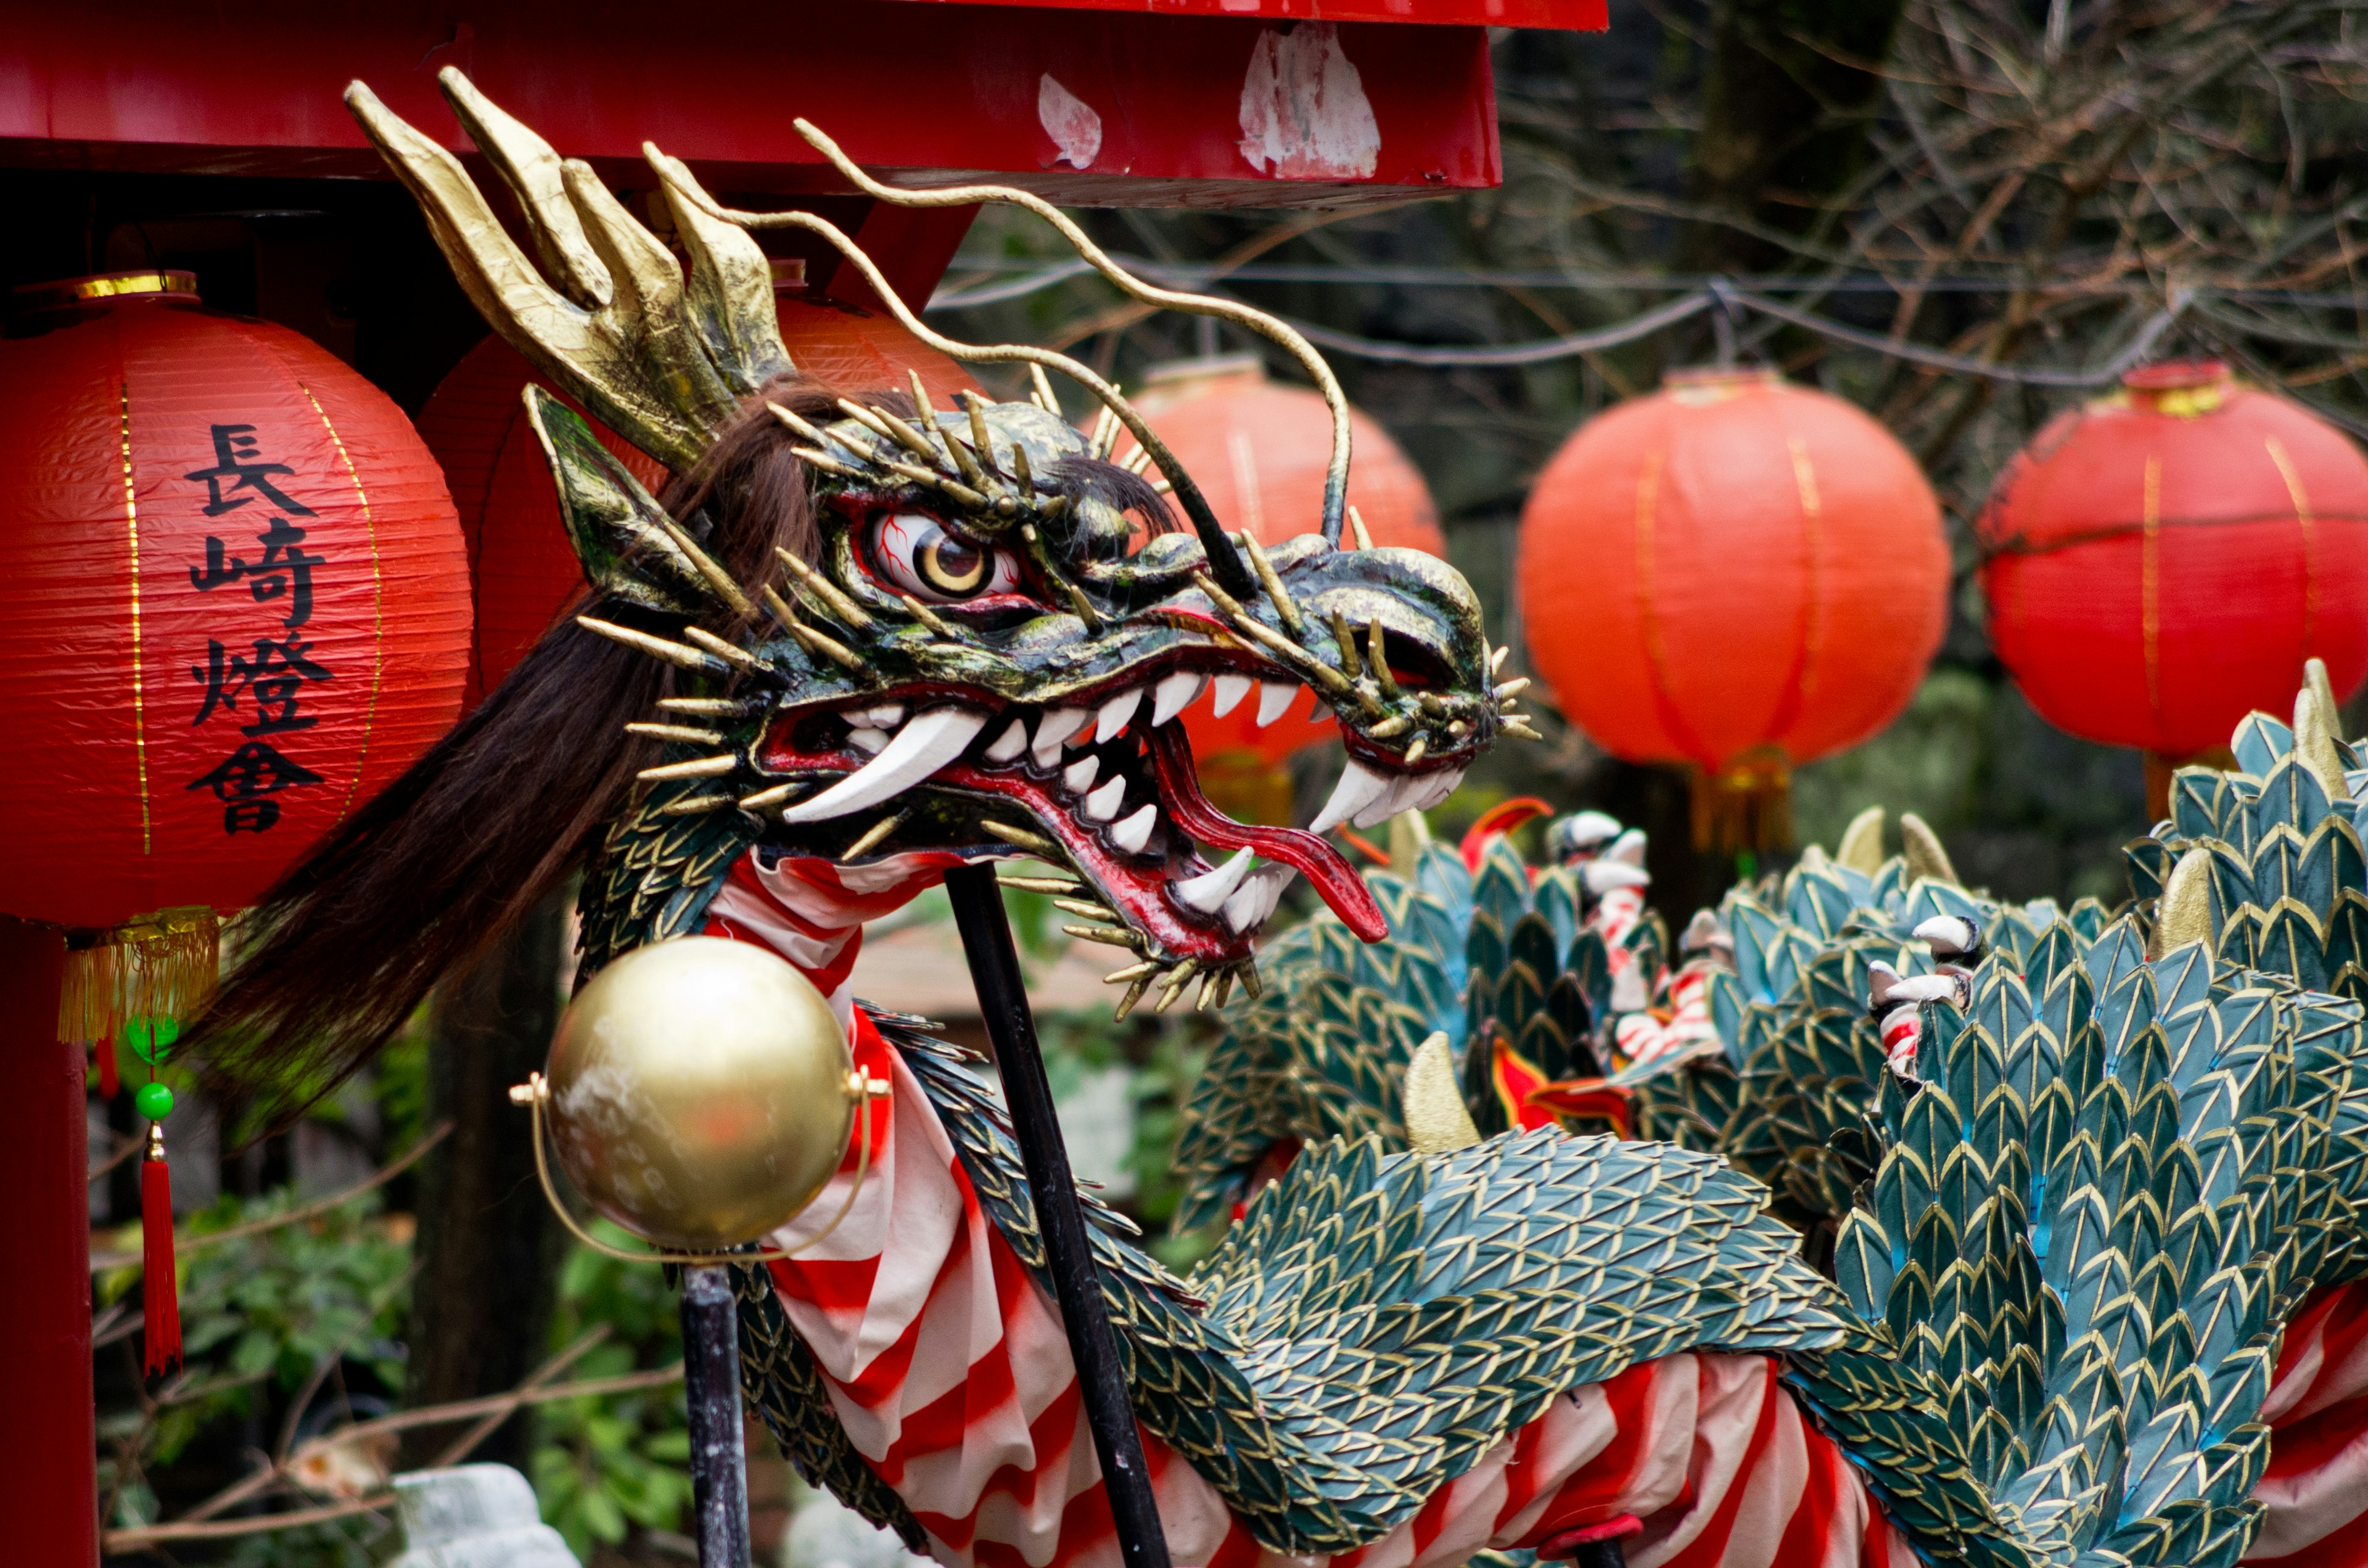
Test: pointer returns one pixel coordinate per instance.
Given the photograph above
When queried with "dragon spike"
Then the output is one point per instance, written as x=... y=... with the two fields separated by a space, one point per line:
x=874 y=835
x=686 y=733
x=1376 y=655
x=1105 y=437
x=1275 y=591
x=726 y=588
x=1336 y=476
x=1126 y=1003
x=1223 y=560
x=1357 y=529
x=671 y=652
x=908 y=436
x=930 y=618
x=2184 y=914
x=980 y=437
x=830 y=593
x=773 y=796
x=1351 y=665
x=697 y=767
x=936 y=481
x=1437 y=1120
x=730 y=653
x=1040 y=391
x=1921 y=847
x=1019 y=470
x=798 y=424
x=2314 y=735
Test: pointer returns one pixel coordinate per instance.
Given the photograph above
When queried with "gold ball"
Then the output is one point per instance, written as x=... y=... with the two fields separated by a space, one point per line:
x=698 y=1093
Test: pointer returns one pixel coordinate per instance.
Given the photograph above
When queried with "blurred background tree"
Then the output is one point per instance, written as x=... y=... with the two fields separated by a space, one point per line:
x=1882 y=195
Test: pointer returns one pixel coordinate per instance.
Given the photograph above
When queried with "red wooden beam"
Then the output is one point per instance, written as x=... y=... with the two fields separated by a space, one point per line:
x=1177 y=110
x=1563 y=15
x=46 y=1420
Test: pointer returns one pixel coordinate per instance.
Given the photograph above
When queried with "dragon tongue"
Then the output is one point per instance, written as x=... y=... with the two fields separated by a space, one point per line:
x=1335 y=879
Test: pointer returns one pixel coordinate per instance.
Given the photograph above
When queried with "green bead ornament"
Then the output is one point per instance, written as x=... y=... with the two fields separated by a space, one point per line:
x=151 y=1040
x=153 y=1101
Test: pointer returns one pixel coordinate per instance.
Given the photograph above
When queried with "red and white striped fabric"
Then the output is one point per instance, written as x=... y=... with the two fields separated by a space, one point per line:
x=1681 y=1025
x=2315 y=1491
x=812 y=912
x=948 y=1368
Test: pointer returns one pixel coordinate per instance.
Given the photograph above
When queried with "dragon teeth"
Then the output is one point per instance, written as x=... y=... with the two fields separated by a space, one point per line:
x=1079 y=775
x=1208 y=892
x=1175 y=693
x=1114 y=715
x=928 y=741
x=1104 y=802
x=1231 y=689
x=1275 y=698
x=1359 y=788
x=1135 y=832
x=1403 y=792
x=868 y=740
x=1253 y=902
x=1009 y=744
x=1055 y=727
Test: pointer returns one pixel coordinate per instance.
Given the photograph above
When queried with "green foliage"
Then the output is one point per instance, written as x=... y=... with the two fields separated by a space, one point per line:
x=605 y=1464
x=1163 y=1060
x=263 y=1317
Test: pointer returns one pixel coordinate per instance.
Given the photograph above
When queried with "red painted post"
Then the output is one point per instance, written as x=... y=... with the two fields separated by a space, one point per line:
x=49 y=1506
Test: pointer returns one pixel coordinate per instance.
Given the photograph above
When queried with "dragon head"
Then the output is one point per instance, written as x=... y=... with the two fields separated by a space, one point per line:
x=975 y=633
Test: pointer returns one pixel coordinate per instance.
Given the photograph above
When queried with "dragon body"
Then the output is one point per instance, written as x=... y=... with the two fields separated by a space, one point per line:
x=862 y=640
x=2097 y=1175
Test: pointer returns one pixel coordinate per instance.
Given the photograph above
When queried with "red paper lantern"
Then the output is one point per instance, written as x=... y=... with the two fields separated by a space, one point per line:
x=1258 y=451
x=234 y=601
x=522 y=568
x=1735 y=574
x=2161 y=561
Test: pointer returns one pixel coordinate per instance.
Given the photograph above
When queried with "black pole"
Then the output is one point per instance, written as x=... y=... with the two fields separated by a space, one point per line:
x=711 y=1385
x=1002 y=1004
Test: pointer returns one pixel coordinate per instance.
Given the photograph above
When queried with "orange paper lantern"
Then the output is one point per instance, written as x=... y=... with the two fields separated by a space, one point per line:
x=522 y=568
x=1258 y=451
x=2162 y=562
x=1737 y=575
x=234 y=601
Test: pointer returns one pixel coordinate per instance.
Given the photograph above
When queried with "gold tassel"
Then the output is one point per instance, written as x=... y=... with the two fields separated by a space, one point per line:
x=1744 y=806
x=159 y=966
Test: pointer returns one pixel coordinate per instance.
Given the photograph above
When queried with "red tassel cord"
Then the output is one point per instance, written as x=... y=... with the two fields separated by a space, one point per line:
x=160 y=1291
x=109 y=1082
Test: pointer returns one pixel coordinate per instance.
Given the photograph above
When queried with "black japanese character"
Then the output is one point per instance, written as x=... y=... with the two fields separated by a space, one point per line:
x=234 y=459
x=274 y=677
x=246 y=780
x=285 y=570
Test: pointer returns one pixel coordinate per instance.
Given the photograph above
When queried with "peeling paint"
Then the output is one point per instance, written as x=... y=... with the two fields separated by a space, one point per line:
x=1304 y=113
x=1070 y=121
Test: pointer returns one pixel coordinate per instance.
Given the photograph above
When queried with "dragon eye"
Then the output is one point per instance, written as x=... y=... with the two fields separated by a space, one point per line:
x=922 y=557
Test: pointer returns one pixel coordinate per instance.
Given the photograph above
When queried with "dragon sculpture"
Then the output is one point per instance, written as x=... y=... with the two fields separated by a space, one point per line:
x=860 y=639
x=2052 y=1098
